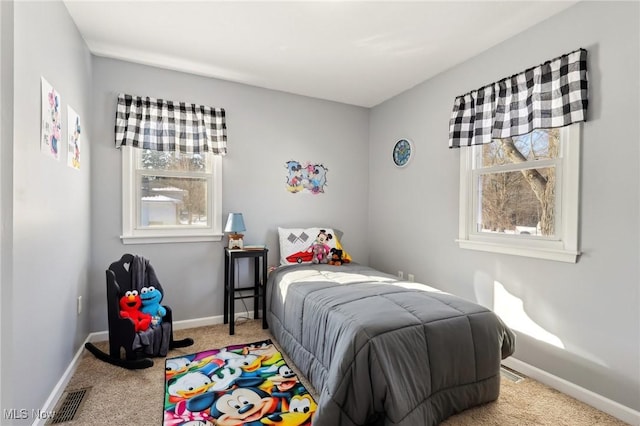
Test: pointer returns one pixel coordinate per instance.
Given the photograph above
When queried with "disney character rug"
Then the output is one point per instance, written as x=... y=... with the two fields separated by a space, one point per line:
x=236 y=385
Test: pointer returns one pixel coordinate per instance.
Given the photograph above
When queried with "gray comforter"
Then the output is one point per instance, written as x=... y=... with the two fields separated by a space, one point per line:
x=382 y=351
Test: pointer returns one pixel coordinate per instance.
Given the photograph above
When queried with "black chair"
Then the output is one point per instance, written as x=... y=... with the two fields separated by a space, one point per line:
x=132 y=273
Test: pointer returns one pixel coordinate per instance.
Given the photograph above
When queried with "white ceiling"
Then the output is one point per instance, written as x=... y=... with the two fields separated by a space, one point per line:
x=359 y=53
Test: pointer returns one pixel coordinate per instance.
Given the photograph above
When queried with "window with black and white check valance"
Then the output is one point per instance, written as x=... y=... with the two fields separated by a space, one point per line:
x=553 y=94
x=162 y=125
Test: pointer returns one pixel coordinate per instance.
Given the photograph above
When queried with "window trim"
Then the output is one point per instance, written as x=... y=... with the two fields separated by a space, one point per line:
x=132 y=234
x=564 y=248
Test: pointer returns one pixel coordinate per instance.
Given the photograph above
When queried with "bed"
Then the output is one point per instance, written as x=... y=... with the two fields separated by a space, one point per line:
x=381 y=351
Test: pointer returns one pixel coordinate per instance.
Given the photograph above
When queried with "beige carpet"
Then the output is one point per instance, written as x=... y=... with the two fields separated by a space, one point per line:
x=135 y=397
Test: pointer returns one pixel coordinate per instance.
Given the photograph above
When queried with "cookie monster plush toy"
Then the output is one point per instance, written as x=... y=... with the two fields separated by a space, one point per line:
x=151 y=298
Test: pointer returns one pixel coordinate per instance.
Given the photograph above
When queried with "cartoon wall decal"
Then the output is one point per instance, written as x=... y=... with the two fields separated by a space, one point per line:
x=306 y=177
x=51 y=131
x=73 y=136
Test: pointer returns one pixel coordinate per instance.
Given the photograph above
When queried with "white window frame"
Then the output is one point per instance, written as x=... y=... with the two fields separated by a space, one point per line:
x=564 y=246
x=134 y=234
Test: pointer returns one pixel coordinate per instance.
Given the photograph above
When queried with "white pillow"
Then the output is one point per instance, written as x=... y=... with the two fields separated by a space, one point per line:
x=295 y=243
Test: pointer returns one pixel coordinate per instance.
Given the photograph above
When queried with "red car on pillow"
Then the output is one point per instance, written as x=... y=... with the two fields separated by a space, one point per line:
x=301 y=256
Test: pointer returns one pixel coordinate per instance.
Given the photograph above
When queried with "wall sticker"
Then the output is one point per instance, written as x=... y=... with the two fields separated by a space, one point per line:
x=73 y=132
x=306 y=177
x=51 y=121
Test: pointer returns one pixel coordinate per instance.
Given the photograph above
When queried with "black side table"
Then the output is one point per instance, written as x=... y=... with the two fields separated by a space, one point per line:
x=258 y=287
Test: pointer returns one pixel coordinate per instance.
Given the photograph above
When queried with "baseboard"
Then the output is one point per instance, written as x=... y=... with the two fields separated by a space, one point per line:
x=58 y=390
x=617 y=410
x=102 y=336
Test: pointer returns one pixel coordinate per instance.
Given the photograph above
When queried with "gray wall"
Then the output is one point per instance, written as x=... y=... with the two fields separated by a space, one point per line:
x=265 y=129
x=6 y=196
x=49 y=231
x=591 y=306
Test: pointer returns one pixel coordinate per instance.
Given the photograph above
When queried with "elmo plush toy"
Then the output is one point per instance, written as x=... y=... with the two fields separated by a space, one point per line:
x=130 y=308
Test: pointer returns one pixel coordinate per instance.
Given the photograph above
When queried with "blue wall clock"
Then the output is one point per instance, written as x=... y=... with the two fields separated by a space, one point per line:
x=402 y=151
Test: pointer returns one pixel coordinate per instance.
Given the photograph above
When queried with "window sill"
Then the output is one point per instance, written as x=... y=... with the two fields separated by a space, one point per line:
x=160 y=239
x=559 y=255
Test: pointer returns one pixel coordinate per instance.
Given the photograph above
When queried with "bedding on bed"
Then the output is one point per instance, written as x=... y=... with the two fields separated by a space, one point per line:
x=383 y=351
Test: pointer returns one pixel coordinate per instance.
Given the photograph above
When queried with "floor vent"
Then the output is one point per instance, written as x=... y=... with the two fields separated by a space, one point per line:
x=69 y=406
x=510 y=374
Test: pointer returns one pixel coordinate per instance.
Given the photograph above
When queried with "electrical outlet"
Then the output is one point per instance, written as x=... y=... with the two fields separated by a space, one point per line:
x=79 y=304
x=411 y=277
x=401 y=275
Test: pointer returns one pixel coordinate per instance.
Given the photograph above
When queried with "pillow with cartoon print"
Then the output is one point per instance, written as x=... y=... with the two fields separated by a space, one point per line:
x=308 y=245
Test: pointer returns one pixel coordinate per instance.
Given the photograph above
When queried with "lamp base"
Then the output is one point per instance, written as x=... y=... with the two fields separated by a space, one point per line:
x=235 y=241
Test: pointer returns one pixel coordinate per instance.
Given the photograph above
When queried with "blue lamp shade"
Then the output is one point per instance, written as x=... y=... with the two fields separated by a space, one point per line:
x=235 y=223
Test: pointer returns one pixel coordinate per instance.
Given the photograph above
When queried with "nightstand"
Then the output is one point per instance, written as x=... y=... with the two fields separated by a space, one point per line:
x=258 y=287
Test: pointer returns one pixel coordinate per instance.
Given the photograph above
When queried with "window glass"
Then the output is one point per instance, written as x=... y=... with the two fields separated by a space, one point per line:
x=173 y=201
x=511 y=203
x=179 y=198
x=541 y=144
x=162 y=160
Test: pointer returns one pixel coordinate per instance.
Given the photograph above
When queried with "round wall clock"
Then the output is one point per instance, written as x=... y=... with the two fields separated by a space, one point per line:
x=402 y=151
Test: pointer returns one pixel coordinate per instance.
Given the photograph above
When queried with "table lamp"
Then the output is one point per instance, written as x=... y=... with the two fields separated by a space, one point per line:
x=235 y=224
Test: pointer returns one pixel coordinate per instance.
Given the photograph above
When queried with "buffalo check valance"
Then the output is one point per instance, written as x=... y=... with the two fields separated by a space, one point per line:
x=553 y=94
x=163 y=125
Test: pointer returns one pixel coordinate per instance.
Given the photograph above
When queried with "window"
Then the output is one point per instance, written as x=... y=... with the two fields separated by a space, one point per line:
x=170 y=197
x=520 y=195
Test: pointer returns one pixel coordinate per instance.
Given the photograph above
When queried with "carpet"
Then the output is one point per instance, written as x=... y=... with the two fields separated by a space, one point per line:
x=248 y=384
x=135 y=398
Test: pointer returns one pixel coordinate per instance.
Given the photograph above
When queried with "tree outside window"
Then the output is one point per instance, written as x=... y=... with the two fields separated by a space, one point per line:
x=520 y=201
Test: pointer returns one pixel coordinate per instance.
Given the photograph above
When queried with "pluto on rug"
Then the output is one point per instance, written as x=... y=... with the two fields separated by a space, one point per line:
x=237 y=385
